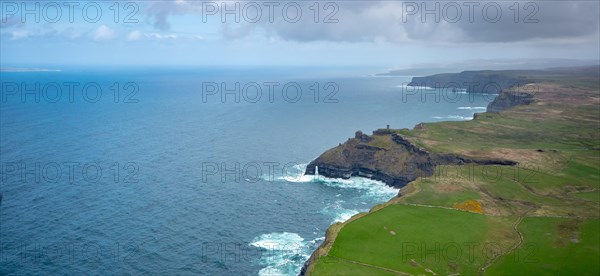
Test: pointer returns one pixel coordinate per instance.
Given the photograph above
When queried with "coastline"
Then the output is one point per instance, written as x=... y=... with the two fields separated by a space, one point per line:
x=506 y=100
x=333 y=230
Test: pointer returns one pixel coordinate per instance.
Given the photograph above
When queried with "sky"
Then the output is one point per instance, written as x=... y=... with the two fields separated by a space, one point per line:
x=390 y=34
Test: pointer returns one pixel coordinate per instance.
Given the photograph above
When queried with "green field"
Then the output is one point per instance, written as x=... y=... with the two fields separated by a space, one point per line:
x=443 y=241
x=554 y=246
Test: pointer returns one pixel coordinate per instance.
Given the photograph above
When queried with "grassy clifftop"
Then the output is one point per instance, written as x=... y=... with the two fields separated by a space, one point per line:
x=540 y=216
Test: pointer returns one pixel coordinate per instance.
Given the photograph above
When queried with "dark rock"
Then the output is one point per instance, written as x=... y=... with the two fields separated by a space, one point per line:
x=362 y=137
x=410 y=147
x=397 y=164
x=368 y=147
x=382 y=131
x=508 y=99
x=305 y=266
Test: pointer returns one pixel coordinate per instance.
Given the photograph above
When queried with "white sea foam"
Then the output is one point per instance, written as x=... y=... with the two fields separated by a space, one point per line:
x=345 y=215
x=472 y=108
x=373 y=188
x=278 y=241
x=284 y=253
x=453 y=117
x=287 y=252
x=317 y=240
x=415 y=87
x=270 y=271
x=337 y=212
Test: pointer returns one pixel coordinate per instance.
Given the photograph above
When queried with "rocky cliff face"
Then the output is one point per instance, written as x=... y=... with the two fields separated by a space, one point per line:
x=509 y=99
x=491 y=82
x=385 y=156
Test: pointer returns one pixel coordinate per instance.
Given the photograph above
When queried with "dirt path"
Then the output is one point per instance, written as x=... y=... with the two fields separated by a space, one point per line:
x=513 y=248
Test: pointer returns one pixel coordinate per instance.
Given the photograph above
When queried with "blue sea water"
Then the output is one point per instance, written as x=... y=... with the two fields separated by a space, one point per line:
x=160 y=178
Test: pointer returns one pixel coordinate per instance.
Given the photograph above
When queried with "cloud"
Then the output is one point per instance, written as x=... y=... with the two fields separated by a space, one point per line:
x=134 y=35
x=104 y=33
x=161 y=36
x=158 y=12
x=20 y=34
x=554 y=23
x=348 y=22
x=392 y=21
x=10 y=22
x=388 y=20
x=553 y=20
x=137 y=35
x=71 y=33
x=33 y=33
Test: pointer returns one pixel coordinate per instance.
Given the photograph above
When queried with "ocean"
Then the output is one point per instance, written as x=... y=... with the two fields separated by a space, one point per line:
x=189 y=170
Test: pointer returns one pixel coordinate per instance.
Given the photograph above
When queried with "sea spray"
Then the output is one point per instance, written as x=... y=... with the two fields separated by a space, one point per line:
x=286 y=252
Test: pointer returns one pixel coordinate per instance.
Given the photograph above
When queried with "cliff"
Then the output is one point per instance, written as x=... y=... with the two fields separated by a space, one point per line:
x=388 y=157
x=491 y=82
x=509 y=99
x=384 y=156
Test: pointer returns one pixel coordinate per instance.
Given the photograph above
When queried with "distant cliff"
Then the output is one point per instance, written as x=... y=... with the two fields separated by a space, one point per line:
x=385 y=156
x=491 y=82
x=504 y=83
x=509 y=99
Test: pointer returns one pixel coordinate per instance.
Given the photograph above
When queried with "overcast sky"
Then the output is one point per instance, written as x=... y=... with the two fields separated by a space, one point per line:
x=391 y=34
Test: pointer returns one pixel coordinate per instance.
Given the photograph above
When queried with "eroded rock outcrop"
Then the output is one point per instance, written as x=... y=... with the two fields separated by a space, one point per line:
x=385 y=156
x=509 y=99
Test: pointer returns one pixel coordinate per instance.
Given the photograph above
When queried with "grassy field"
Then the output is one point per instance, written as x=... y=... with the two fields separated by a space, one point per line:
x=539 y=217
x=336 y=266
x=417 y=239
x=554 y=246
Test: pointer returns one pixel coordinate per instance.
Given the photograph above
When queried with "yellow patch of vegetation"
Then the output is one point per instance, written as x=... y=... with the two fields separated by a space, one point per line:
x=469 y=205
